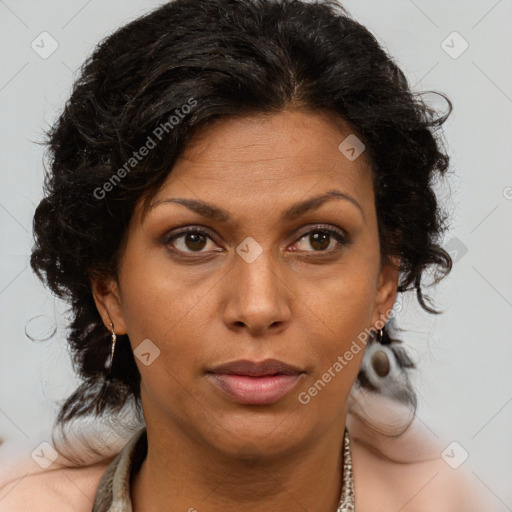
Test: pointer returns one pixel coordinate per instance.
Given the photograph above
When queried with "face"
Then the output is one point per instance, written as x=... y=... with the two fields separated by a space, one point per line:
x=252 y=275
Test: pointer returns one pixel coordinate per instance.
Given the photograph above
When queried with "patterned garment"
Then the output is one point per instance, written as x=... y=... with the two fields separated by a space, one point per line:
x=113 y=494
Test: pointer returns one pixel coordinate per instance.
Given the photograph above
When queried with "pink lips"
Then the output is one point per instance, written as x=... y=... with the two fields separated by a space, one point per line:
x=250 y=382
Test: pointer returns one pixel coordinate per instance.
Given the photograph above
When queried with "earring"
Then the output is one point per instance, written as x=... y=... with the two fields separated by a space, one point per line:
x=113 y=346
x=385 y=367
x=380 y=360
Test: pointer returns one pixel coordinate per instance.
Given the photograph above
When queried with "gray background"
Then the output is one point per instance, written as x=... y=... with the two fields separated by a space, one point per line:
x=464 y=356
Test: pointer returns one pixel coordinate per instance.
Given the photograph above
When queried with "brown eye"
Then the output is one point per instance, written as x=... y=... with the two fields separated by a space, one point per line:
x=190 y=241
x=321 y=239
x=195 y=241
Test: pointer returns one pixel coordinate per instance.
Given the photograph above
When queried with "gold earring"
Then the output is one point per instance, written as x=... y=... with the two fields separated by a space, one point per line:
x=113 y=346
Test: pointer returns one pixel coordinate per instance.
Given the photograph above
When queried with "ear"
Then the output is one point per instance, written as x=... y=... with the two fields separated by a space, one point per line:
x=386 y=292
x=107 y=297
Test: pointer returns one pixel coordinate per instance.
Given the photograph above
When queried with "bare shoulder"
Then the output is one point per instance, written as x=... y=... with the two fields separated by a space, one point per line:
x=410 y=486
x=412 y=472
x=55 y=490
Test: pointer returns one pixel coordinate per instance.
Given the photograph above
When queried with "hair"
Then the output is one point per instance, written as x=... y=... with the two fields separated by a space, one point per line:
x=154 y=82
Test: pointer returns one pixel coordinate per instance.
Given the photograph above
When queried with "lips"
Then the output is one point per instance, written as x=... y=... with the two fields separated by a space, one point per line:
x=257 y=383
x=256 y=369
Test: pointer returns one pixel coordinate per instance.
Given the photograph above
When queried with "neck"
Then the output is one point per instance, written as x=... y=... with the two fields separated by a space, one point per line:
x=193 y=476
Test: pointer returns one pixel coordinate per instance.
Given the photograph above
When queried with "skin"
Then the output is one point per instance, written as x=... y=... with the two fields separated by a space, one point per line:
x=293 y=303
x=207 y=453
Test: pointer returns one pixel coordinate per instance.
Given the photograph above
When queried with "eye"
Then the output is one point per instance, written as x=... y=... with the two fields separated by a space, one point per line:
x=190 y=240
x=322 y=239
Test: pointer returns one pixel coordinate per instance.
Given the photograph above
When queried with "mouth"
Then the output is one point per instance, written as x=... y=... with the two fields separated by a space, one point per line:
x=256 y=383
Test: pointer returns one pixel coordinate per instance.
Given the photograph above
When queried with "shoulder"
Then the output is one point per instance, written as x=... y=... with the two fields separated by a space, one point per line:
x=55 y=490
x=408 y=472
x=412 y=486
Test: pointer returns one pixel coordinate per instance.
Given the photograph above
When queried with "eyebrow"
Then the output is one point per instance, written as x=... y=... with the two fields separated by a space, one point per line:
x=293 y=212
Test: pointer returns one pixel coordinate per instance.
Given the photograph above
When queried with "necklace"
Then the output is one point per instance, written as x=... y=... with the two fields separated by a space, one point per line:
x=347 y=499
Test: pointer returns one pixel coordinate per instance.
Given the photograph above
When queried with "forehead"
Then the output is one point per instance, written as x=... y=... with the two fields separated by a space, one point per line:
x=291 y=135
x=264 y=160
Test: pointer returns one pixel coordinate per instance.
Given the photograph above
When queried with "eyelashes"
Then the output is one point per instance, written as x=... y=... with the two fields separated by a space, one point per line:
x=338 y=236
x=203 y=235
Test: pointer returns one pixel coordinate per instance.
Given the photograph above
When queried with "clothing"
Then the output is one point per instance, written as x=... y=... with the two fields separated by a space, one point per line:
x=113 y=493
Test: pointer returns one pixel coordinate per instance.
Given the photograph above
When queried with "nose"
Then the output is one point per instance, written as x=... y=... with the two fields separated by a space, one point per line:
x=258 y=298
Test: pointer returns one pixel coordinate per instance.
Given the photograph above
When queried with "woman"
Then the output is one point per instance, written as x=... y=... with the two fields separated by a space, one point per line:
x=237 y=192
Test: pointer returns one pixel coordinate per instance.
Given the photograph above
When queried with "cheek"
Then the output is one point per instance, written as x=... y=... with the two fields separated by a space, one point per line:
x=339 y=347
x=344 y=339
x=156 y=296
x=341 y=321
x=344 y=300
x=170 y=309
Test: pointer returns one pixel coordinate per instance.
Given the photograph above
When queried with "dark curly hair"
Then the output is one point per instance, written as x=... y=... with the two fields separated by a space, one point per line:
x=184 y=65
